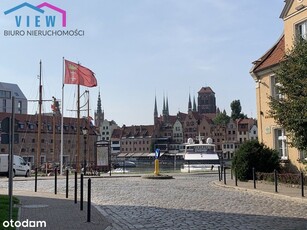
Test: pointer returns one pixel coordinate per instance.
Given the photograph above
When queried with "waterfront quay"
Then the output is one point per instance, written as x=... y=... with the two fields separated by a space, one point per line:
x=189 y=201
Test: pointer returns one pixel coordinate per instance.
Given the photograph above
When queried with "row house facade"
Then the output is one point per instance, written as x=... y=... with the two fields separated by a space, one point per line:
x=294 y=16
x=50 y=139
x=106 y=129
x=134 y=139
x=170 y=132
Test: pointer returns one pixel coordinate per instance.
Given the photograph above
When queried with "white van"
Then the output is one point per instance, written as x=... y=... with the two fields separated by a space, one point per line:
x=20 y=167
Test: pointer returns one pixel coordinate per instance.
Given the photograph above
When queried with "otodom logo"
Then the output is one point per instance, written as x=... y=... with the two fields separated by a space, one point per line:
x=44 y=19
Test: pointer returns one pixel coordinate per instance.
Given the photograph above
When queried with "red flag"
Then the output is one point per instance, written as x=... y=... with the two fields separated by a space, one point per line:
x=79 y=75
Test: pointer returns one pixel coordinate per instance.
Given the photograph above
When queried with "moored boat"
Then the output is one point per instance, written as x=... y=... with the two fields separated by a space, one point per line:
x=200 y=156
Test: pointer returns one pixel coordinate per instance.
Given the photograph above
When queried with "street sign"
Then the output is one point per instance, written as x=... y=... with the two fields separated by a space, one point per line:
x=157 y=153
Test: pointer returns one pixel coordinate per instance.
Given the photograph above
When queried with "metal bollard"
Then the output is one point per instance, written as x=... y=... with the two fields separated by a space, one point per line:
x=89 y=200
x=81 y=192
x=231 y=174
x=254 y=178
x=224 y=175
x=35 y=185
x=55 y=179
x=66 y=183
x=219 y=171
x=302 y=183
x=222 y=169
x=236 y=178
x=76 y=186
x=275 y=179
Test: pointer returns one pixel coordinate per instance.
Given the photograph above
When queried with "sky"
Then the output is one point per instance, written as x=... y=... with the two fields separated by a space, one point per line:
x=139 y=50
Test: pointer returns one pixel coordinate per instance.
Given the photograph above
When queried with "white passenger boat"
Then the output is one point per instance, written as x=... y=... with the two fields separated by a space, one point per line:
x=200 y=157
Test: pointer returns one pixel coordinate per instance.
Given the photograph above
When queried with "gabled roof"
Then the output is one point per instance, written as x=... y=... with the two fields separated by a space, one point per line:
x=116 y=133
x=286 y=8
x=206 y=90
x=272 y=57
x=137 y=131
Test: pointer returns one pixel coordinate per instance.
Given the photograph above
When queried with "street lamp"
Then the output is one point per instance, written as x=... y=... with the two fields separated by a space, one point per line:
x=85 y=132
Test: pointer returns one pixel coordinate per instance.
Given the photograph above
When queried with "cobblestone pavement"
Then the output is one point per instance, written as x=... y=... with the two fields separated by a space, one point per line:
x=186 y=202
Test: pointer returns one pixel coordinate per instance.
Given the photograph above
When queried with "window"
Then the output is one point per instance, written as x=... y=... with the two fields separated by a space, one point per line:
x=274 y=90
x=280 y=143
x=21 y=125
x=5 y=94
x=19 y=107
x=301 y=29
x=4 y=106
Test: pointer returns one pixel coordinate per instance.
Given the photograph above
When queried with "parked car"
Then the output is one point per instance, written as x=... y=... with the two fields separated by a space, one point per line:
x=20 y=167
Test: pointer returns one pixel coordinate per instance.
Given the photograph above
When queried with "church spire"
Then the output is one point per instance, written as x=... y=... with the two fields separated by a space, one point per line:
x=156 y=108
x=99 y=114
x=166 y=108
x=194 y=104
x=190 y=103
x=99 y=109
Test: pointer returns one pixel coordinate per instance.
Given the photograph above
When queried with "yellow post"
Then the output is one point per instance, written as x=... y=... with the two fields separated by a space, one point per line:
x=157 y=170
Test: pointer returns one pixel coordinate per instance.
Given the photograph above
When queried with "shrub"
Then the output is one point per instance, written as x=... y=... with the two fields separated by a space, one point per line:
x=253 y=154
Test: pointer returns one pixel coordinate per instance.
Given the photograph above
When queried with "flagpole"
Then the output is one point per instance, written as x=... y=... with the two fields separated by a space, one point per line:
x=62 y=121
x=78 y=124
x=39 y=127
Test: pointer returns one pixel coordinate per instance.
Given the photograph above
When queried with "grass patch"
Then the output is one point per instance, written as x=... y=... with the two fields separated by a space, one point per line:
x=4 y=210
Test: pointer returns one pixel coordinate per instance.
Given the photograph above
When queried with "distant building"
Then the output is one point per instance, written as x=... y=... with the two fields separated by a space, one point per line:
x=106 y=128
x=244 y=127
x=99 y=114
x=136 y=139
x=7 y=91
x=206 y=101
x=27 y=131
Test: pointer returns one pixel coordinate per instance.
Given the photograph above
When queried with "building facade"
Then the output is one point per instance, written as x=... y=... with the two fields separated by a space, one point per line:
x=294 y=15
x=7 y=91
x=50 y=140
x=206 y=101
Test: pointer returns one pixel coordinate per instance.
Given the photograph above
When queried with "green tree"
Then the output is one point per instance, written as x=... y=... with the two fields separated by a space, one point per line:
x=221 y=118
x=253 y=154
x=236 y=110
x=289 y=106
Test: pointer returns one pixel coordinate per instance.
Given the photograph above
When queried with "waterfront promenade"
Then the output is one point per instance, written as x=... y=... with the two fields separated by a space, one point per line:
x=189 y=201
